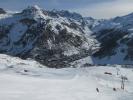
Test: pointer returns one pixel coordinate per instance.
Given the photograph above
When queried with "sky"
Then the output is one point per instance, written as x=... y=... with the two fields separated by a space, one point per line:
x=94 y=8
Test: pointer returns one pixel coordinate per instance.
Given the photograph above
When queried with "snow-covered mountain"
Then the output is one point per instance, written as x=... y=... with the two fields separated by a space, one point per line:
x=65 y=39
x=116 y=38
x=54 y=38
x=61 y=38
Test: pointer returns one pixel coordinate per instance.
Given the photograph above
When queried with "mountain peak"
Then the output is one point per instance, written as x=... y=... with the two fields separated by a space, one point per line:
x=68 y=14
x=34 y=7
x=34 y=11
x=31 y=9
x=2 y=11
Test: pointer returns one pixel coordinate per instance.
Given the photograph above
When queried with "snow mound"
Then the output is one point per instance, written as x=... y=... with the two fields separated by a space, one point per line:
x=17 y=65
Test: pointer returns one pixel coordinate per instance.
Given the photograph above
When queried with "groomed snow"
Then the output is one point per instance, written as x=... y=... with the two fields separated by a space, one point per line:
x=21 y=82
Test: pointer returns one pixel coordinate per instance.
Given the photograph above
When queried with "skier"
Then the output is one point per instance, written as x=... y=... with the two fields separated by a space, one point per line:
x=97 y=89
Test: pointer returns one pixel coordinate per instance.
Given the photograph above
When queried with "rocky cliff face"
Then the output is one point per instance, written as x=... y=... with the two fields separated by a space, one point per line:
x=58 y=38
x=53 y=38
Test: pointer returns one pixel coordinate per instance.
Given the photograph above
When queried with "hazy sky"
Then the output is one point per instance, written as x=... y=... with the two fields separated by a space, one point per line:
x=94 y=8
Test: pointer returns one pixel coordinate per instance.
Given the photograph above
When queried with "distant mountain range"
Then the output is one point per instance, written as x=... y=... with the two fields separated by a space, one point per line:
x=59 y=38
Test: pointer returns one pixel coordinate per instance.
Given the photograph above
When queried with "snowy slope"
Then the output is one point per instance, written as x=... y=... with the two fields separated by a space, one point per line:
x=17 y=65
x=18 y=81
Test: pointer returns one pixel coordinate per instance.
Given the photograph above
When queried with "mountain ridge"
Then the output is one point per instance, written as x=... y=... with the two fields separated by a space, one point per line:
x=53 y=41
x=59 y=38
